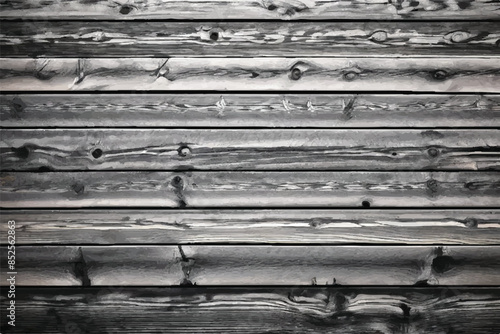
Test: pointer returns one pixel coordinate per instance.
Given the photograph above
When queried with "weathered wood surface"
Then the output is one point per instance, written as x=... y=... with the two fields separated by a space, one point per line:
x=249 y=189
x=254 y=226
x=248 y=9
x=340 y=310
x=254 y=265
x=248 y=39
x=270 y=74
x=238 y=110
x=174 y=149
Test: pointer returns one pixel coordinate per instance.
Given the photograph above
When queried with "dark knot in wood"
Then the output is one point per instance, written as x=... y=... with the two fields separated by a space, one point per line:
x=184 y=151
x=440 y=75
x=97 y=153
x=18 y=105
x=295 y=74
x=22 y=152
x=78 y=188
x=433 y=185
x=125 y=9
x=365 y=204
x=177 y=182
x=81 y=270
x=470 y=223
x=442 y=264
x=433 y=152
x=214 y=36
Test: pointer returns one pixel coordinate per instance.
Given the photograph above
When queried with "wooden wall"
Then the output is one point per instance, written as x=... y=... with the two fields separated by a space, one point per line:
x=238 y=166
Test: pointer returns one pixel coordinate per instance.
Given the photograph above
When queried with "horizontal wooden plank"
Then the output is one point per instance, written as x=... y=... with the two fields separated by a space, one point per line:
x=249 y=189
x=158 y=149
x=247 y=9
x=238 y=110
x=254 y=265
x=249 y=39
x=338 y=310
x=270 y=74
x=253 y=226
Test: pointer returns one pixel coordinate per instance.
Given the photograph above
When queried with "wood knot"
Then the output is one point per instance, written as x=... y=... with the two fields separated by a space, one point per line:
x=470 y=223
x=295 y=74
x=378 y=36
x=406 y=310
x=440 y=75
x=18 y=105
x=433 y=185
x=97 y=153
x=433 y=152
x=78 y=188
x=366 y=204
x=214 y=35
x=177 y=182
x=459 y=36
x=442 y=264
x=350 y=76
x=126 y=9
x=22 y=152
x=184 y=151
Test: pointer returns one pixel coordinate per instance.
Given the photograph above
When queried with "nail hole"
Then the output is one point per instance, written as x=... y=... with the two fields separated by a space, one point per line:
x=296 y=74
x=366 y=204
x=394 y=154
x=439 y=75
x=97 y=153
x=22 y=152
x=349 y=76
x=214 y=35
x=125 y=10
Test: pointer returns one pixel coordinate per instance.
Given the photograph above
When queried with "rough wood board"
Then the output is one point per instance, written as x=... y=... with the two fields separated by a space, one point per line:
x=249 y=39
x=249 y=189
x=249 y=110
x=254 y=226
x=255 y=265
x=200 y=149
x=269 y=74
x=248 y=9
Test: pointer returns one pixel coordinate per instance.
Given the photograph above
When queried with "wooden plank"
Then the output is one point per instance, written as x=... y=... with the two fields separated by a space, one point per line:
x=159 y=149
x=248 y=39
x=339 y=310
x=247 y=9
x=254 y=265
x=249 y=110
x=270 y=74
x=249 y=189
x=253 y=226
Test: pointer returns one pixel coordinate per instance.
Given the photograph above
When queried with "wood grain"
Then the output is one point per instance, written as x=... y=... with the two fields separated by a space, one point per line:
x=249 y=189
x=249 y=110
x=474 y=227
x=148 y=149
x=248 y=9
x=255 y=265
x=269 y=74
x=252 y=39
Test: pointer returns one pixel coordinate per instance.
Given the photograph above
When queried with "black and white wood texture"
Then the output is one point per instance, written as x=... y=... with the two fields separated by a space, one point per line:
x=443 y=74
x=264 y=110
x=240 y=166
x=292 y=226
